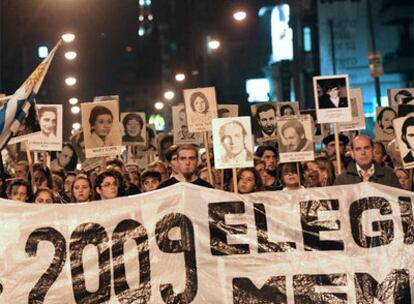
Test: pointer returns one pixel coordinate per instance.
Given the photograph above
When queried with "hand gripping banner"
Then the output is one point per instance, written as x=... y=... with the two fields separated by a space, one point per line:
x=187 y=244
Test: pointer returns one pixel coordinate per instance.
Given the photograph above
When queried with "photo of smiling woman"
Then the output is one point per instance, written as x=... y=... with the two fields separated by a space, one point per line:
x=133 y=124
x=102 y=130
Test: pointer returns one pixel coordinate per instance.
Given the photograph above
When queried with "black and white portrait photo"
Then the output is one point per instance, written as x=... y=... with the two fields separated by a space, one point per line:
x=384 y=128
x=357 y=110
x=331 y=95
x=233 y=145
x=295 y=138
x=133 y=126
x=404 y=129
x=227 y=110
x=201 y=108
x=102 y=133
x=50 y=136
x=401 y=96
x=181 y=132
x=287 y=108
x=265 y=121
x=319 y=130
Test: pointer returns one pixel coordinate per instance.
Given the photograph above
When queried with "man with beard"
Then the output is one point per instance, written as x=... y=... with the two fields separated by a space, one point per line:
x=385 y=128
x=187 y=161
x=266 y=118
x=294 y=137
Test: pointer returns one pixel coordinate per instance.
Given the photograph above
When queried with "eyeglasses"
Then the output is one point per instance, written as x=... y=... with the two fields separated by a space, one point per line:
x=109 y=185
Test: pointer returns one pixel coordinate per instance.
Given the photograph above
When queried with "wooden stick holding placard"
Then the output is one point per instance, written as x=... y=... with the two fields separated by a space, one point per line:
x=298 y=172
x=210 y=173
x=30 y=162
x=338 y=153
x=410 y=176
x=221 y=179
x=235 y=188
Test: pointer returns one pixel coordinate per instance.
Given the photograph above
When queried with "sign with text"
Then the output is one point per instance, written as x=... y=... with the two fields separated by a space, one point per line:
x=344 y=244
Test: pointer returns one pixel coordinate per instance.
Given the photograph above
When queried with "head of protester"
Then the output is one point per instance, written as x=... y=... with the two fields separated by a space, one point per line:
x=319 y=173
x=82 y=190
x=19 y=190
x=44 y=196
x=363 y=168
x=248 y=180
x=150 y=180
x=100 y=124
x=107 y=185
x=404 y=178
x=290 y=176
x=187 y=164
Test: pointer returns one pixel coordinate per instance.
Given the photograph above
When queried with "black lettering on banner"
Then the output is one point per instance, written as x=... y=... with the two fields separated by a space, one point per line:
x=407 y=219
x=124 y=231
x=312 y=226
x=394 y=289
x=90 y=234
x=305 y=293
x=272 y=292
x=219 y=228
x=264 y=245
x=38 y=293
x=385 y=227
x=186 y=245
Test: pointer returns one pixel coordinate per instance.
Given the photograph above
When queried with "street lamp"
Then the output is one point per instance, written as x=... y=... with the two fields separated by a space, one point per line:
x=169 y=95
x=68 y=37
x=180 y=77
x=239 y=15
x=76 y=126
x=75 y=109
x=70 y=55
x=73 y=100
x=214 y=44
x=70 y=81
x=159 y=105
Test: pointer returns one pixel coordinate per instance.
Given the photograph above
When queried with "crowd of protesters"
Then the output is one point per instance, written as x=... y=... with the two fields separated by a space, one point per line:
x=361 y=160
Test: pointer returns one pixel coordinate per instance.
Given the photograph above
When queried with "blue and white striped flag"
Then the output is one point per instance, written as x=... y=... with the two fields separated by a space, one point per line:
x=15 y=108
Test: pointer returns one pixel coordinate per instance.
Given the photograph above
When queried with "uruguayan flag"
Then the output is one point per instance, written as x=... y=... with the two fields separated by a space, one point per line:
x=15 y=108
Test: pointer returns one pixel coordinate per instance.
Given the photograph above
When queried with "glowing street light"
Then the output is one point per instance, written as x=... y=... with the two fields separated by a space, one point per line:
x=180 y=77
x=169 y=95
x=70 y=81
x=68 y=37
x=75 y=109
x=159 y=105
x=239 y=15
x=214 y=44
x=76 y=126
x=70 y=55
x=73 y=100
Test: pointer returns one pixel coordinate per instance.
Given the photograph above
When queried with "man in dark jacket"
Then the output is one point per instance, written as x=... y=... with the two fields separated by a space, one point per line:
x=363 y=169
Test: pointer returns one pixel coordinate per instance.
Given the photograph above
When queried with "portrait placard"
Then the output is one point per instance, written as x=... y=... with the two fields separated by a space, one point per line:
x=405 y=110
x=400 y=96
x=50 y=136
x=287 y=108
x=137 y=155
x=201 y=108
x=180 y=128
x=227 y=110
x=404 y=133
x=106 y=98
x=319 y=131
x=133 y=126
x=384 y=128
x=332 y=98
x=264 y=117
x=102 y=133
x=233 y=142
x=164 y=140
x=295 y=138
x=28 y=128
x=151 y=147
x=357 y=110
x=78 y=142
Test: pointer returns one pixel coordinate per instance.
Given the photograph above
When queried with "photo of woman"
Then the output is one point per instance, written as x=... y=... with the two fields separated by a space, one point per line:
x=134 y=124
x=102 y=132
x=48 y=121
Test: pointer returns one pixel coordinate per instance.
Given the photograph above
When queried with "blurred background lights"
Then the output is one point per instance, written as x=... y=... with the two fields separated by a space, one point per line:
x=179 y=77
x=68 y=37
x=75 y=109
x=70 y=81
x=239 y=15
x=73 y=100
x=70 y=55
x=169 y=95
x=159 y=105
x=43 y=51
x=76 y=126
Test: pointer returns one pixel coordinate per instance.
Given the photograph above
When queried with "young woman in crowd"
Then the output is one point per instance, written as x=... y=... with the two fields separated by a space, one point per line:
x=107 y=185
x=404 y=178
x=291 y=178
x=81 y=189
x=44 y=196
x=248 y=180
x=19 y=190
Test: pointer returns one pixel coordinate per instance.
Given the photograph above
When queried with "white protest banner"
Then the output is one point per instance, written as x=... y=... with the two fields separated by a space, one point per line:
x=187 y=244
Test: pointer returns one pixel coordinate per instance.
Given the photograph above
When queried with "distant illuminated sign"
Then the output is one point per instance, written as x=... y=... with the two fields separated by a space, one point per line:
x=282 y=34
x=158 y=121
x=258 y=89
x=43 y=51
